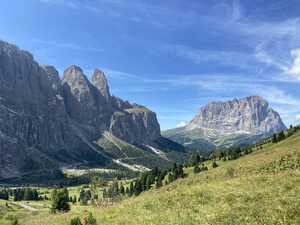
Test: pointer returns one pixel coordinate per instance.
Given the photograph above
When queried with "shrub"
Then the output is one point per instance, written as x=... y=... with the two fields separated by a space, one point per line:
x=89 y=220
x=197 y=169
x=15 y=222
x=230 y=172
x=75 y=221
x=214 y=164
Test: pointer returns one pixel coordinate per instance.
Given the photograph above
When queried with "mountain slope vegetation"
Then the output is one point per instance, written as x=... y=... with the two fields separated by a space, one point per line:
x=260 y=188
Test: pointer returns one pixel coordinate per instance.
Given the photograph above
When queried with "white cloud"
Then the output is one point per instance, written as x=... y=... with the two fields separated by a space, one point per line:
x=294 y=70
x=181 y=124
x=199 y=56
x=263 y=56
x=297 y=117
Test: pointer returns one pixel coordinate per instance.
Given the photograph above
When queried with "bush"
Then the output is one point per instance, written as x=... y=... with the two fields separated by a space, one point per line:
x=197 y=169
x=230 y=172
x=15 y=222
x=75 y=221
x=214 y=164
x=89 y=220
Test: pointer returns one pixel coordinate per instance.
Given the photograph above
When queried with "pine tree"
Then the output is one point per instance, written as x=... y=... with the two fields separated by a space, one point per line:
x=74 y=199
x=180 y=171
x=148 y=182
x=170 y=178
x=137 y=188
x=104 y=193
x=27 y=194
x=274 y=138
x=122 y=189
x=59 y=201
x=158 y=183
x=83 y=197
x=131 y=189
x=281 y=136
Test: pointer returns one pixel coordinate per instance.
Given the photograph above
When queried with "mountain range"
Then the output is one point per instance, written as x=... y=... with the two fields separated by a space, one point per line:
x=226 y=124
x=47 y=123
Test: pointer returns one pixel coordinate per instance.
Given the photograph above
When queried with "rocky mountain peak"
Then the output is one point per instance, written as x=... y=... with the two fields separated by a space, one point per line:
x=78 y=83
x=250 y=115
x=100 y=82
x=53 y=76
x=73 y=72
x=46 y=122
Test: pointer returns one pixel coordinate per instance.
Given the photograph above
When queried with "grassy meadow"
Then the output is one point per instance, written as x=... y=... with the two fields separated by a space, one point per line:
x=257 y=189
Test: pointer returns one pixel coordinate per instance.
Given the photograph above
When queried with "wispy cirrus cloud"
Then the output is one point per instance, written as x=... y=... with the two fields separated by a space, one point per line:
x=212 y=86
x=67 y=45
x=220 y=57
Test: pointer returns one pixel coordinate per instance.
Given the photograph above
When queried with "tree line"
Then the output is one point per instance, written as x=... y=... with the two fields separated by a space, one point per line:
x=20 y=194
x=153 y=178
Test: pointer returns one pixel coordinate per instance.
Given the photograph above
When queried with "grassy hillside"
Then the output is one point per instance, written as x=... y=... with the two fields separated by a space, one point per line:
x=192 y=139
x=197 y=139
x=260 y=188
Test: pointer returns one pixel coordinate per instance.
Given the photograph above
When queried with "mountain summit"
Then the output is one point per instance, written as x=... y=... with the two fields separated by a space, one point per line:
x=250 y=115
x=47 y=123
x=240 y=121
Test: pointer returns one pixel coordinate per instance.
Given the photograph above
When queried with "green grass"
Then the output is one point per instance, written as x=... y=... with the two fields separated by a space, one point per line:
x=258 y=189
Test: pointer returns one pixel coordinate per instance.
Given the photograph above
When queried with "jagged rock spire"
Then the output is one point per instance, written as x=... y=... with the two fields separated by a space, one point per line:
x=100 y=82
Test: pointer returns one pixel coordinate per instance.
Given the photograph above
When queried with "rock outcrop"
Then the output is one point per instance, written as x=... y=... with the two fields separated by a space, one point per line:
x=46 y=122
x=224 y=124
x=250 y=115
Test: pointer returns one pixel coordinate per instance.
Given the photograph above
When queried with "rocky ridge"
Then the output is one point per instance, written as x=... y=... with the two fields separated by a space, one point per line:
x=46 y=122
x=223 y=124
x=250 y=115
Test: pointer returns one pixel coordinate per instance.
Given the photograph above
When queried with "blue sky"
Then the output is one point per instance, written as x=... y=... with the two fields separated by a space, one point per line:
x=172 y=56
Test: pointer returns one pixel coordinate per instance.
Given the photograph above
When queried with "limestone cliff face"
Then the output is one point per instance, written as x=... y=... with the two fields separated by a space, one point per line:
x=250 y=115
x=225 y=124
x=46 y=122
x=136 y=125
x=33 y=121
x=100 y=82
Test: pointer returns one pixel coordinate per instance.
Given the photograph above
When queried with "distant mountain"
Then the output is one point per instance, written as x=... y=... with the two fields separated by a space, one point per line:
x=224 y=124
x=47 y=123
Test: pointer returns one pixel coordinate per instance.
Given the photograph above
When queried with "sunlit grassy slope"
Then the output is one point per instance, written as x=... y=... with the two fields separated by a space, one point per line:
x=260 y=188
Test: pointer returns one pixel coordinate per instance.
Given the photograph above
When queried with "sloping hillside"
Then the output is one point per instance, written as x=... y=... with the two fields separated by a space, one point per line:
x=260 y=188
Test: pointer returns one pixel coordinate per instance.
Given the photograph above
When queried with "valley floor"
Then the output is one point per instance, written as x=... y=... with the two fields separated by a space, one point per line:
x=260 y=188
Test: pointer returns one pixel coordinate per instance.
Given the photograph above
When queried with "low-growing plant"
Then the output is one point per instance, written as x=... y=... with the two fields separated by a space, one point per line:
x=214 y=164
x=229 y=172
x=89 y=220
x=75 y=221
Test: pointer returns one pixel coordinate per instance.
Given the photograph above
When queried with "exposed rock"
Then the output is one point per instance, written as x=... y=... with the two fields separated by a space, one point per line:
x=135 y=125
x=224 y=124
x=46 y=123
x=251 y=115
x=120 y=104
x=100 y=82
